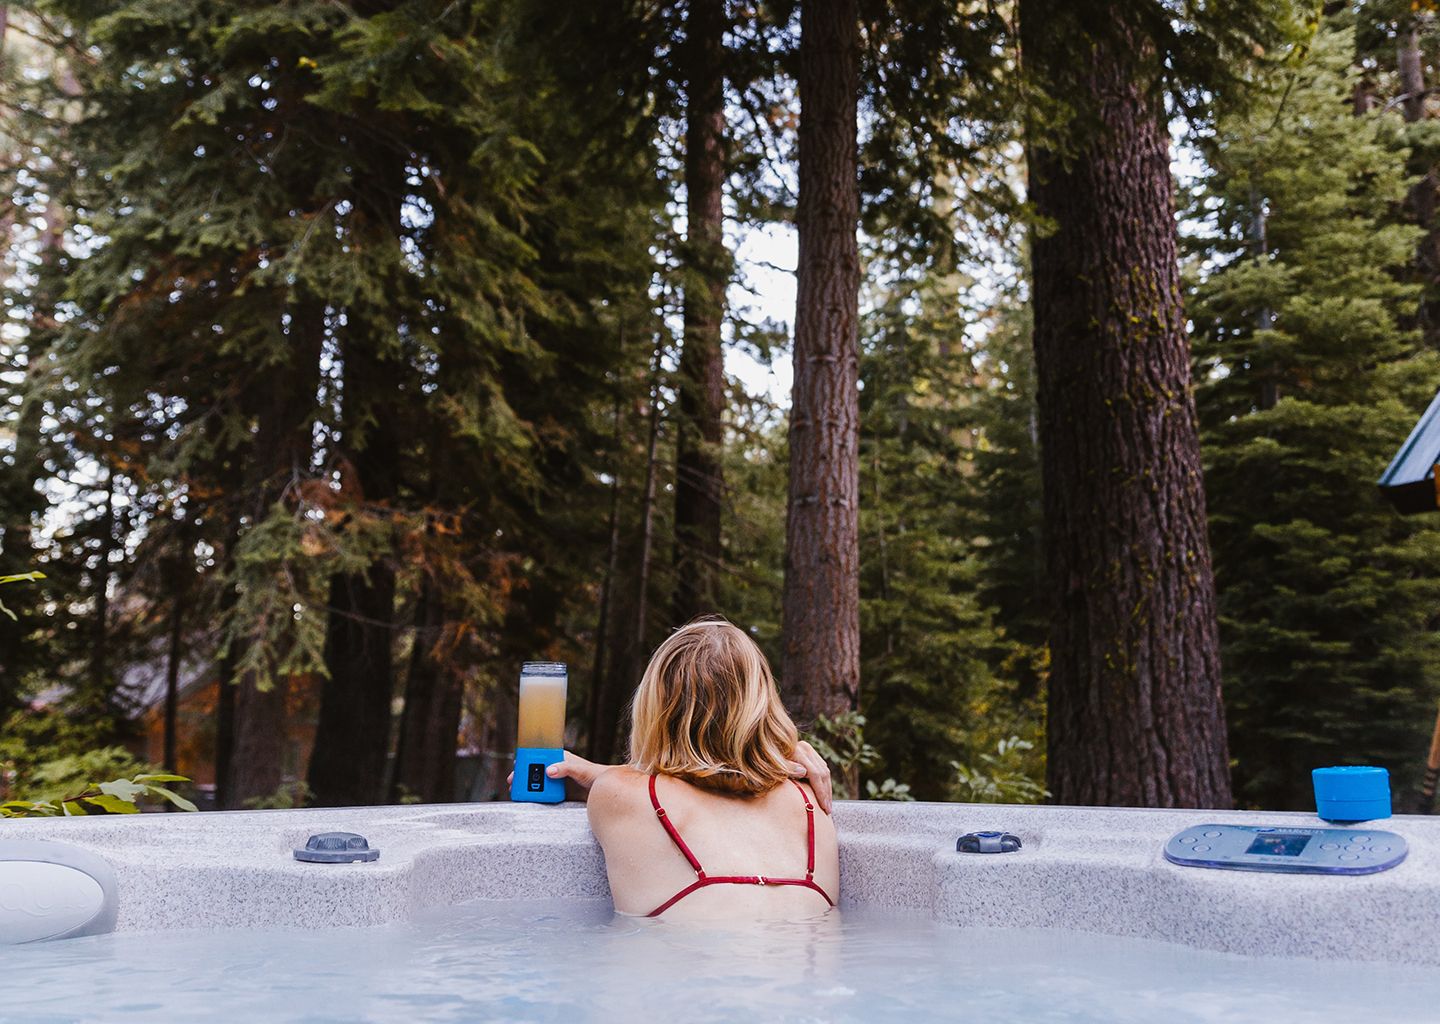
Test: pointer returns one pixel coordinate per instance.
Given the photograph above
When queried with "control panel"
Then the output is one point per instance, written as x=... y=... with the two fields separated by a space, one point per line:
x=1314 y=851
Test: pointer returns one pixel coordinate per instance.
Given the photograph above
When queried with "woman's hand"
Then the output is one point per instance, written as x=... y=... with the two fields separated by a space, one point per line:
x=578 y=773
x=811 y=766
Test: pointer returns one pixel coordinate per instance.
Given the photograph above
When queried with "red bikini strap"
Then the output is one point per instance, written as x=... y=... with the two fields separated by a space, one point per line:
x=674 y=834
x=809 y=831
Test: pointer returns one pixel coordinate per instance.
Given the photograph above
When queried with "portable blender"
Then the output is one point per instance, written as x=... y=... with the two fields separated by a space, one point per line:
x=540 y=738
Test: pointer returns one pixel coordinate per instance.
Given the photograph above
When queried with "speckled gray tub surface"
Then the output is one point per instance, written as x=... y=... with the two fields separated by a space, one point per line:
x=1085 y=869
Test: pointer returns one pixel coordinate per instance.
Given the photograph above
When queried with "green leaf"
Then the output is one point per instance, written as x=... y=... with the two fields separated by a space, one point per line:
x=112 y=804
x=123 y=789
x=175 y=798
x=161 y=777
x=23 y=577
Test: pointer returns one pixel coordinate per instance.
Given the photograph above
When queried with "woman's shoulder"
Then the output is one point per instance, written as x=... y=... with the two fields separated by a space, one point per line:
x=618 y=793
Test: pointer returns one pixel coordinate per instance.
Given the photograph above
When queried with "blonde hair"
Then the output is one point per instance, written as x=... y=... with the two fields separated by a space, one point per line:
x=707 y=711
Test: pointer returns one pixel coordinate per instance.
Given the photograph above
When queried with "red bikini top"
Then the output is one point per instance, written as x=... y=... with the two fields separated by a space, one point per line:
x=702 y=879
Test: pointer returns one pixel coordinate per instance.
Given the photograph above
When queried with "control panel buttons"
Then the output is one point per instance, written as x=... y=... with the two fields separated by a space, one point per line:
x=1296 y=850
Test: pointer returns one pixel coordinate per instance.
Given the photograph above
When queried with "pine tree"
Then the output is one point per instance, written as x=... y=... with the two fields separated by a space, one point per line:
x=359 y=297
x=699 y=469
x=925 y=634
x=1135 y=715
x=820 y=669
x=1309 y=381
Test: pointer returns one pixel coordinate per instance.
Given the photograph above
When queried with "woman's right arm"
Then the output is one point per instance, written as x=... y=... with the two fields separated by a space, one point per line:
x=578 y=773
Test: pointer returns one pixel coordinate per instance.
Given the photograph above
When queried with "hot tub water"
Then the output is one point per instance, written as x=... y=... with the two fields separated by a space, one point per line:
x=575 y=961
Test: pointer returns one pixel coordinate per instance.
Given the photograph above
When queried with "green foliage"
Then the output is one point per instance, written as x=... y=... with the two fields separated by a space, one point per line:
x=228 y=211
x=51 y=751
x=952 y=609
x=840 y=740
x=1310 y=374
x=888 y=790
x=118 y=796
x=51 y=779
x=1006 y=776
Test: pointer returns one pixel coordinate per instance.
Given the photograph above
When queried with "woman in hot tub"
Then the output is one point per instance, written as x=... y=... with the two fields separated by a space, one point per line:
x=709 y=818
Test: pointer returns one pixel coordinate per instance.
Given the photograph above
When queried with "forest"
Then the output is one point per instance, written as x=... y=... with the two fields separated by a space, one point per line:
x=1018 y=373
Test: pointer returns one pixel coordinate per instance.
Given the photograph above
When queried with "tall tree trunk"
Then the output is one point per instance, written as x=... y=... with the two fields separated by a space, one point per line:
x=1135 y=715
x=352 y=735
x=821 y=662
x=278 y=458
x=632 y=651
x=434 y=689
x=1411 y=65
x=699 y=473
x=99 y=624
x=257 y=766
x=601 y=678
x=1424 y=199
x=179 y=577
x=226 y=713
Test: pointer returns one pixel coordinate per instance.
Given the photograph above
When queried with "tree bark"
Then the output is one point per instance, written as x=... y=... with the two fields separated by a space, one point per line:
x=257 y=767
x=225 y=718
x=631 y=653
x=699 y=472
x=352 y=734
x=179 y=577
x=1423 y=201
x=601 y=677
x=1135 y=716
x=434 y=690
x=821 y=660
x=279 y=457
x=99 y=625
x=1411 y=66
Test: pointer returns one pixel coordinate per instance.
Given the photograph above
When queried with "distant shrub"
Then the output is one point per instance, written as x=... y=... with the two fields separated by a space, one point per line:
x=999 y=778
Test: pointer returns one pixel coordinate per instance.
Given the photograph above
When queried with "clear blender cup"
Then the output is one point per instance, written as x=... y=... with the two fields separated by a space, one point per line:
x=540 y=737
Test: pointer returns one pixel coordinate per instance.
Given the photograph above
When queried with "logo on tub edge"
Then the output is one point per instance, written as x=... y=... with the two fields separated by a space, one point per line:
x=46 y=900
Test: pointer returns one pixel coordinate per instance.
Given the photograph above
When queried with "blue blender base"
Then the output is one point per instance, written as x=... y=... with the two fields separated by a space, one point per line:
x=531 y=784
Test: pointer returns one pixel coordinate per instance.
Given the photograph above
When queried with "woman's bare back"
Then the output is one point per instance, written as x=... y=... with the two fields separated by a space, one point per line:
x=761 y=835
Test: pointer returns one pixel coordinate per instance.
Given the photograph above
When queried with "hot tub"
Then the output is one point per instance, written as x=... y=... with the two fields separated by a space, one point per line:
x=479 y=912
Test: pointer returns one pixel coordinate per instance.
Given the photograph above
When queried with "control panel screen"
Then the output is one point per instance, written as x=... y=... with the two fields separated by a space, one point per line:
x=1279 y=845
